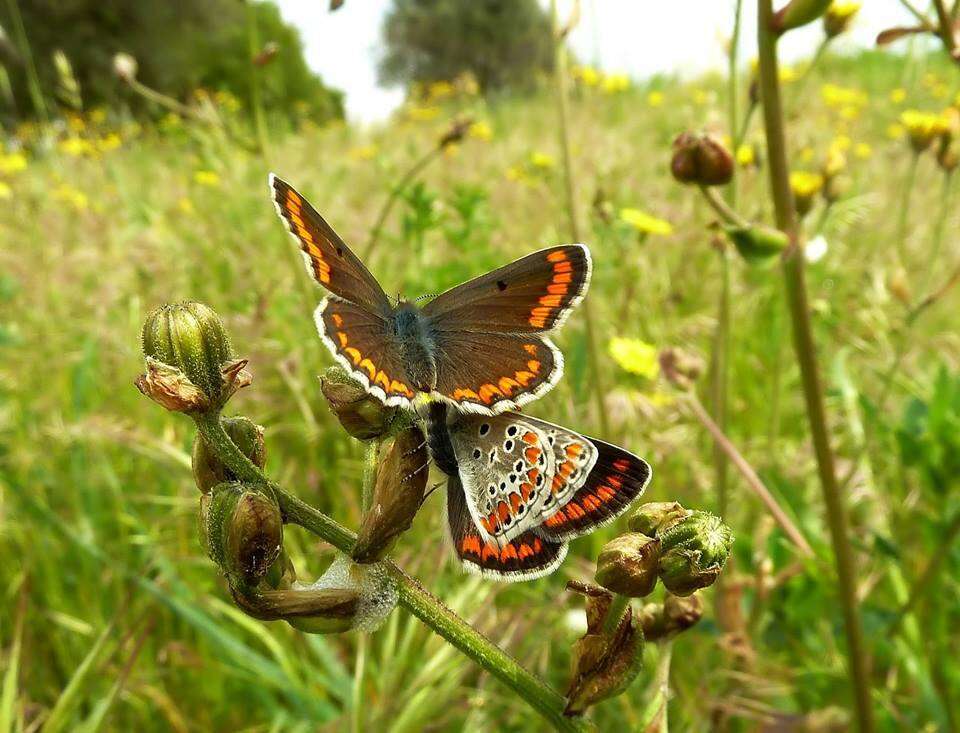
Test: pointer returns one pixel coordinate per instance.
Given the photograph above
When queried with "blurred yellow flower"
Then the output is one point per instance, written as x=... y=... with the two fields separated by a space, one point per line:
x=806 y=154
x=898 y=95
x=422 y=114
x=940 y=91
x=923 y=127
x=12 y=163
x=481 y=130
x=170 y=121
x=363 y=152
x=838 y=17
x=862 y=151
x=635 y=356
x=835 y=163
x=98 y=115
x=437 y=90
x=5 y=191
x=745 y=155
x=700 y=97
x=895 y=131
x=616 y=83
x=110 y=141
x=805 y=184
x=645 y=223
x=837 y=97
x=185 y=206
x=541 y=160
x=587 y=75
x=207 y=178
x=76 y=123
x=226 y=100
x=655 y=98
x=77 y=199
x=75 y=146
x=788 y=74
x=841 y=143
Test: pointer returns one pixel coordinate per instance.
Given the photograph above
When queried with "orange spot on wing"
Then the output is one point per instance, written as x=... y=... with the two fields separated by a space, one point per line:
x=337 y=320
x=529 y=437
x=558 y=288
x=540 y=312
x=368 y=365
x=514 y=502
x=621 y=464
x=573 y=450
x=563 y=277
x=525 y=551
x=558 y=256
x=565 y=469
x=532 y=454
x=590 y=502
x=489 y=550
x=305 y=235
x=615 y=481
x=503 y=510
x=524 y=377
x=574 y=511
x=555 y=520
x=507 y=385
x=293 y=199
x=525 y=489
x=343 y=338
x=538 y=322
x=353 y=354
x=563 y=267
x=509 y=552
x=530 y=349
x=471 y=544
x=384 y=380
x=550 y=300
x=605 y=492
x=533 y=365
x=488 y=392
x=557 y=483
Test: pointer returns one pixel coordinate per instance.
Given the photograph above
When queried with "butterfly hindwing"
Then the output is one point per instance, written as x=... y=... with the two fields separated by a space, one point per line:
x=362 y=343
x=534 y=294
x=490 y=373
x=329 y=260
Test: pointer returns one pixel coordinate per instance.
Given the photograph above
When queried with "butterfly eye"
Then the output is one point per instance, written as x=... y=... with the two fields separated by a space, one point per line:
x=512 y=430
x=508 y=445
x=484 y=429
x=477 y=453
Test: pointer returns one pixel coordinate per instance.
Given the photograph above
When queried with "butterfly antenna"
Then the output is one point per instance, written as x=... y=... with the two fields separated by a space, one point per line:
x=424 y=297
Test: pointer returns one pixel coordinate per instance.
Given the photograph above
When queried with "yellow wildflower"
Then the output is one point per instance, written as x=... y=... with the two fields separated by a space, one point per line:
x=481 y=130
x=838 y=17
x=226 y=100
x=835 y=163
x=170 y=121
x=898 y=95
x=207 y=178
x=77 y=199
x=635 y=356
x=419 y=113
x=940 y=91
x=5 y=191
x=98 y=115
x=805 y=186
x=76 y=146
x=587 y=75
x=76 y=123
x=787 y=74
x=806 y=154
x=645 y=223
x=923 y=127
x=616 y=83
x=185 y=206
x=745 y=155
x=12 y=163
x=363 y=152
x=541 y=160
x=837 y=97
x=700 y=97
x=110 y=141
x=655 y=98
x=862 y=151
x=437 y=90
x=895 y=131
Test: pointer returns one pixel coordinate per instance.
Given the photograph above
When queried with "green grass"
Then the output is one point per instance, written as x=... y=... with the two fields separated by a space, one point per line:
x=112 y=618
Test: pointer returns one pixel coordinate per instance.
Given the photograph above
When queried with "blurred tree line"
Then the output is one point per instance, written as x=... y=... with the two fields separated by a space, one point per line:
x=180 y=45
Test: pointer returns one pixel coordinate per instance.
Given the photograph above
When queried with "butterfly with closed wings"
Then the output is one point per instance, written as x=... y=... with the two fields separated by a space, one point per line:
x=519 y=489
x=480 y=346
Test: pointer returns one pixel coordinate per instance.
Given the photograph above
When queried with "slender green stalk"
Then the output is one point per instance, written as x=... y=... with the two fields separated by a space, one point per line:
x=618 y=607
x=722 y=208
x=563 y=114
x=429 y=609
x=33 y=79
x=905 y=207
x=256 y=99
x=395 y=192
x=793 y=270
x=937 y=242
x=654 y=717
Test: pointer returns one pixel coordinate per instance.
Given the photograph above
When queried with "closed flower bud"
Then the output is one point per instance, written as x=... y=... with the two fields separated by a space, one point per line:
x=805 y=187
x=680 y=368
x=693 y=552
x=242 y=530
x=456 y=132
x=675 y=614
x=798 y=13
x=838 y=17
x=604 y=666
x=628 y=565
x=700 y=159
x=208 y=470
x=397 y=496
x=189 y=339
x=361 y=414
x=656 y=516
x=266 y=54
x=125 y=67
x=758 y=244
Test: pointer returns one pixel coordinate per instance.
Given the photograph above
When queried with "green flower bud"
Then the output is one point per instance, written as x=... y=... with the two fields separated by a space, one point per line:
x=208 y=470
x=628 y=565
x=693 y=552
x=361 y=414
x=758 y=244
x=700 y=159
x=798 y=13
x=655 y=516
x=241 y=529
x=189 y=362
x=397 y=496
x=604 y=666
x=675 y=614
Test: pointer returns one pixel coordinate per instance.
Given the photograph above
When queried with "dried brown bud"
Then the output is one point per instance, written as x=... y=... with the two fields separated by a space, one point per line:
x=323 y=610
x=397 y=496
x=700 y=159
x=125 y=67
x=629 y=564
x=656 y=516
x=208 y=470
x=680 y=368
x=360 y=413
x=675 y=614
x=170 y=388
x=266 y=54
x=456 y=132
x=242 y=529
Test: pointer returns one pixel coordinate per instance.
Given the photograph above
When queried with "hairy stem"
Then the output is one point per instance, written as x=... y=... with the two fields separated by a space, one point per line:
x=793 y=270
x=563 y=114
x=430 y=610
x=618 y=607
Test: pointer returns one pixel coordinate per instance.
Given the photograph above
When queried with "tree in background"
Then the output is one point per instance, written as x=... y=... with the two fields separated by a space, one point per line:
x=179 y=45
x=503 y=43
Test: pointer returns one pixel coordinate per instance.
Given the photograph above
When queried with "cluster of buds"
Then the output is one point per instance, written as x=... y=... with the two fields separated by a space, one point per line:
x=686 y=551
x=701 y=159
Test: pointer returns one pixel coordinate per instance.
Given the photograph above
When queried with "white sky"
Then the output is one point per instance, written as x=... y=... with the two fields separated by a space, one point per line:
x=637 y=37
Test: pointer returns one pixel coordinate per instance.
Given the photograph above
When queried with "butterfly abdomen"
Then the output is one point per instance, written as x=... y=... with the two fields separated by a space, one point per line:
x=438 y=439
x=416 y=347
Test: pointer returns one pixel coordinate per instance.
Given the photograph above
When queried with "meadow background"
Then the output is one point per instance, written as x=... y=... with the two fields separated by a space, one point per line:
x=113 y=618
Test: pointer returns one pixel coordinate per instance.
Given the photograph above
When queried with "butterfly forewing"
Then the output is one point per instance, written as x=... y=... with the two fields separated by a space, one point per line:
x=329 y=260
x=534 y=294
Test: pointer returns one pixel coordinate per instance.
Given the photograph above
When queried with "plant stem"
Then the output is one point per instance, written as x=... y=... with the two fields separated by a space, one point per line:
x=938 y=232
x=395 y=192
x=654 y=717
x=905 y=207
x=256 y=101
x=618 y=607
x=33 y=79
x=723 y=209
x=426 y=607
x=945 y=28
x=750 y=476
x=793 y=269
x=560 y=78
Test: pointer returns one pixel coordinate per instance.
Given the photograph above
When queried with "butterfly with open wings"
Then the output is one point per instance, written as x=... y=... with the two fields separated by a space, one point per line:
x=519 y=489
x=480 y=346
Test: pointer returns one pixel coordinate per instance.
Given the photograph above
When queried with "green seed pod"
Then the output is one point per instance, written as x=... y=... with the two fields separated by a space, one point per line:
x=208 y=470
x=693 y=552
x=758 y=244
x=628 y=565
x=189 y=338
x=361 y=414
x=397 y=496
x=798 y=13
x=655 y=516
x=700 y=159
x=242 y=529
